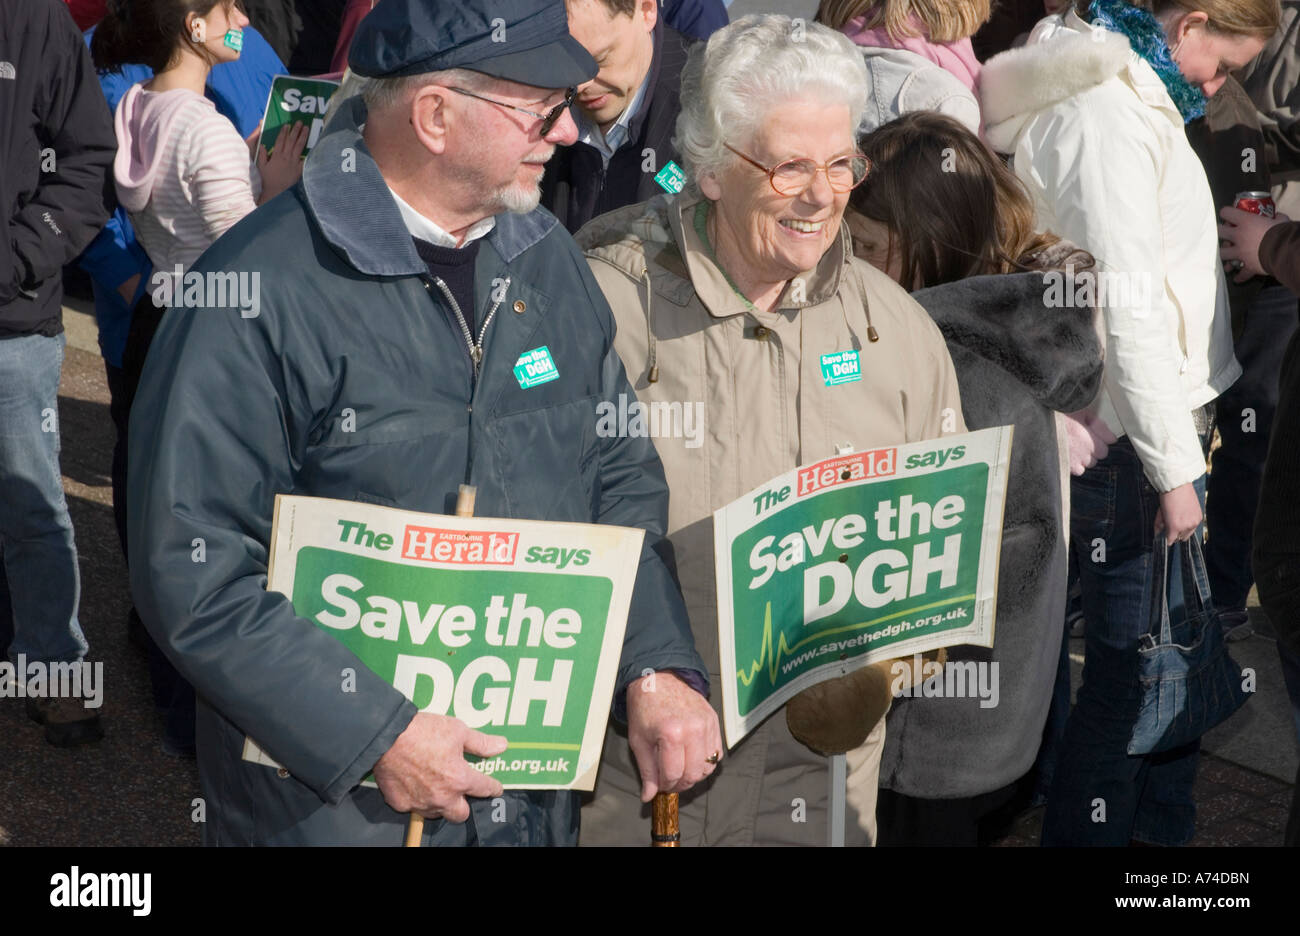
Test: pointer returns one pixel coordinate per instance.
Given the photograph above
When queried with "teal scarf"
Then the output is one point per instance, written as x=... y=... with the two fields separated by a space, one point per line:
x=1147 y=37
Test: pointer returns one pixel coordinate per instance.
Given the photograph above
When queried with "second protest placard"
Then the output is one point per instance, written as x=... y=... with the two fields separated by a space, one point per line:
x=858 y=558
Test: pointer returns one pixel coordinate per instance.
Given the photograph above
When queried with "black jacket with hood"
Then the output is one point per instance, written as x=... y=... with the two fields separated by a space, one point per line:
x=56 y=152
x=578 y=186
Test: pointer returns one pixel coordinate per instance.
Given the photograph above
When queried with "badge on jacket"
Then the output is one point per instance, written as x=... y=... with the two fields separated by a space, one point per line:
x=841 y=367
x=535 y=367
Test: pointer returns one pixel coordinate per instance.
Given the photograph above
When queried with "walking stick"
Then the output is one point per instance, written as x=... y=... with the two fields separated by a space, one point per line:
x=664 y=831
x=415 y=824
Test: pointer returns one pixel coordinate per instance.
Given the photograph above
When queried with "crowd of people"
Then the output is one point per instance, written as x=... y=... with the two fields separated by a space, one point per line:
x=680 y=208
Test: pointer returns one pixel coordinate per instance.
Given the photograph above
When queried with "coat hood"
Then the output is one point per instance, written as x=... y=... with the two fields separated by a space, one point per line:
x=143 y=123
x=957 y=57
x=1062 y=59
x=1054 y=353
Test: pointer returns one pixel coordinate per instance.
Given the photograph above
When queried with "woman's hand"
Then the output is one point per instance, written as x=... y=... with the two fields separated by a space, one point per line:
x=1089 y=440
x=282 y=168
x=1179 y=514
x=1243 y=231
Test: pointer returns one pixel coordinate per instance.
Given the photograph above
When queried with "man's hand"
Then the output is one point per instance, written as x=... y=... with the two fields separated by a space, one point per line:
x=1179 y=514
x=1089 y=440
x=1243 y=231
x=673 y=731
x=425 y=770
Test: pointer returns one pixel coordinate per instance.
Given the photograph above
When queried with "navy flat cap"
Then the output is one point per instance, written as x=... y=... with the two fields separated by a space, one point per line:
x=520 y=40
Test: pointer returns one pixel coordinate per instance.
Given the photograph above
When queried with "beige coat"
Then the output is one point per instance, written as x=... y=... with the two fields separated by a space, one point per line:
x=765 y=410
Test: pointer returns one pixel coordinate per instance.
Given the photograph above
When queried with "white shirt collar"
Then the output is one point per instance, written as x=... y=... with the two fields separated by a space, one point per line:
x=426 y=230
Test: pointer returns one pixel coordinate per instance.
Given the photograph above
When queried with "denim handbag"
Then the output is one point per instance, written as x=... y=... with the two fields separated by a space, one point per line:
x=1189 y=682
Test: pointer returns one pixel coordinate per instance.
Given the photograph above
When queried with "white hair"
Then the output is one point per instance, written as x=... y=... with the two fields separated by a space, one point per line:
x=728 y=85
x=382 y=93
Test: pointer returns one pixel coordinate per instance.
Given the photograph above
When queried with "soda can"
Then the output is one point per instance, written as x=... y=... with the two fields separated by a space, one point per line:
x=1260 y=203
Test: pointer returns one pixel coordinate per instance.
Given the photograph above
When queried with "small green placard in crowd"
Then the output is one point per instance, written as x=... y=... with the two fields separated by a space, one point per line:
x=296 y=100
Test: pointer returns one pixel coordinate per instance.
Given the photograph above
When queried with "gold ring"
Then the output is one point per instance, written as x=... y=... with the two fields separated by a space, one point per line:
x=714 y=757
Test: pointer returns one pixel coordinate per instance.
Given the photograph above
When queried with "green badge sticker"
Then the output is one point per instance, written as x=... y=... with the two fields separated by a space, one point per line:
x=535 y=367
x=671 y=178
x=234 y=38
x=841 y=367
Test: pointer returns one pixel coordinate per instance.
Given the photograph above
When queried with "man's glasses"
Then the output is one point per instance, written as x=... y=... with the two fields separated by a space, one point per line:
x=548 y=119
x=794 y=176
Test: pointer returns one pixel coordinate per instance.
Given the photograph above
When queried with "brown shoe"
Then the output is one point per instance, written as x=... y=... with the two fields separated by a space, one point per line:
x=67 y=722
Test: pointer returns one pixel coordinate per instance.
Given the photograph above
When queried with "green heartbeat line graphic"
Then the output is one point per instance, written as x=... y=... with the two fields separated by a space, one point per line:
x=765 y=651
x=772 y=660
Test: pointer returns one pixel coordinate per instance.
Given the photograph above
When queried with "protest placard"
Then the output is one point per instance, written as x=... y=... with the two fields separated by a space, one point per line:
x=513 y=626
x=296 y=100
x=858 y=558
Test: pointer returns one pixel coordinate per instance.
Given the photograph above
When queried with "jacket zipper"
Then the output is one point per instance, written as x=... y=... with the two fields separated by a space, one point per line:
x=475 y=348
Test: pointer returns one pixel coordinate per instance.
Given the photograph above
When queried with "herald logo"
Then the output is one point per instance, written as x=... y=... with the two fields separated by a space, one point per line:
x=874 y=464
x=463 y=547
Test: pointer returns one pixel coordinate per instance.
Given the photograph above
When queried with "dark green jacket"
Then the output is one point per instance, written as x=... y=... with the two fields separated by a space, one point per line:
x=233 y=410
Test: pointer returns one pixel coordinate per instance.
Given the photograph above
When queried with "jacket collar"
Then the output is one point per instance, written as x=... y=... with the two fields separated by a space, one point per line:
x=350 y=202
x=651 y=84
x=710 y=283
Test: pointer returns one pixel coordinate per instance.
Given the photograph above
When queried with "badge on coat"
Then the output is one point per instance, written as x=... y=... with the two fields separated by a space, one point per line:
x=671 y=178
x=535 y=367
x=841 y=367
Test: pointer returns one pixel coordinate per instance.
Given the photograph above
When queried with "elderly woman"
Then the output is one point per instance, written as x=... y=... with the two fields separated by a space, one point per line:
x=728 y=294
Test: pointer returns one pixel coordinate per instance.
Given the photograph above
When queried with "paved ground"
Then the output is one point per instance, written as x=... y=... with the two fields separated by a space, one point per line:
x=125 y=791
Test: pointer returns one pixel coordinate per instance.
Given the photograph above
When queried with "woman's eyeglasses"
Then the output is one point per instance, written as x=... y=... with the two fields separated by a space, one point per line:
x=794 y=176
x=548 y=119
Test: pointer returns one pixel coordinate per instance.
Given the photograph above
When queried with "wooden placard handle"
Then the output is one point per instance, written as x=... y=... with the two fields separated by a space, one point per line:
x=464 y=508
x=664 y=830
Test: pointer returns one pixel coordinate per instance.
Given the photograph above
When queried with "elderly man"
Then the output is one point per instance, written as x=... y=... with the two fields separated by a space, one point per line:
x=625 y=114
x=395 y=289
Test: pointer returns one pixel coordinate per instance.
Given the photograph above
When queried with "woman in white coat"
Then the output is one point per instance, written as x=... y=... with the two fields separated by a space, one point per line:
x=1092 y=110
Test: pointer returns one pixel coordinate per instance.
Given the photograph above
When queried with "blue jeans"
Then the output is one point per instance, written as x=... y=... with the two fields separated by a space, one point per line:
x=36 y=548
x=1245 y=418
x=1100 y=794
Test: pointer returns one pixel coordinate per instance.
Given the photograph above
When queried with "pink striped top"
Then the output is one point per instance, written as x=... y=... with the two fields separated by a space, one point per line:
x=182 y=171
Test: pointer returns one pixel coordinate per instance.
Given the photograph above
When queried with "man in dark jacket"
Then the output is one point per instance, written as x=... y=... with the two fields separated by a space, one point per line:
x=1271 y=247
x=396 y=299
x=56 y=145
x=625 y=115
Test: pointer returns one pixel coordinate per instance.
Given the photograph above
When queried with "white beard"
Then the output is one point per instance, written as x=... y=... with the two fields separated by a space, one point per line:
x=518 y=198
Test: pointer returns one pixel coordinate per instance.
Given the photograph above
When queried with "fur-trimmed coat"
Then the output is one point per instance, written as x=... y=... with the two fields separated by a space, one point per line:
x=1020 y=363
x=1103 y=153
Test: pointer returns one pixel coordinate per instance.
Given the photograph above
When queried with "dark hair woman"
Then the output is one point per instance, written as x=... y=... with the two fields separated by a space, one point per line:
x=182 y=170
x=942 y=215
